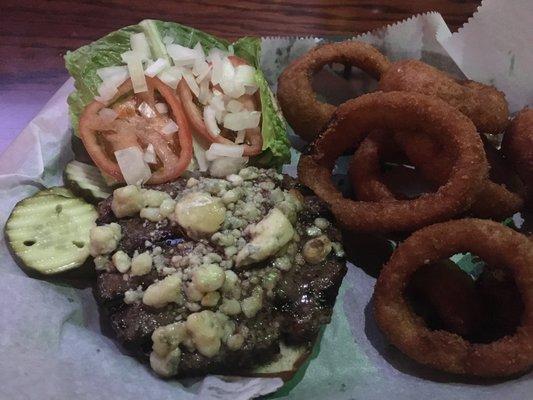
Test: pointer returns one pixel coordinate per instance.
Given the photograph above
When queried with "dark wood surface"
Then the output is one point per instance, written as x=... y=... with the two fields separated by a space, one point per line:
x=34 y=35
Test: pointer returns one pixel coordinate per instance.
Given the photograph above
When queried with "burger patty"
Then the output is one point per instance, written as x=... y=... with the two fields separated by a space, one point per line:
x=300 y=303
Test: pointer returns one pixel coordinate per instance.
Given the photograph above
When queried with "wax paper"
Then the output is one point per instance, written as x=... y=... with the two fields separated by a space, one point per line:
x=51 y=342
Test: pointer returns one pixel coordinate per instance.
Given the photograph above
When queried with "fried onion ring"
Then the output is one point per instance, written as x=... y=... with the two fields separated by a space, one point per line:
x=496 y=201
x=497 y=245
x=483 y=104
x=397 y=111
x=517 y=146
x=303 y=111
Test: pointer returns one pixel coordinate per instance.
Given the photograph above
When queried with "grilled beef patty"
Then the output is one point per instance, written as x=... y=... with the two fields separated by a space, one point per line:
x=293 y=309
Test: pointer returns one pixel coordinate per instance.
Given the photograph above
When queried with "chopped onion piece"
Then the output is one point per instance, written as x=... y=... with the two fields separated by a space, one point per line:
x=140 y=45
x=210 y=121
x=217 y=101
x=132 y=165
x=234 y=106
x=217 y=66
x=108 y=73
x=107 y=115
x=205 y=93
x=242 y=120
x=168 y=39
x=215 y=52
x=199 y=51
x=161 y=108
x=246 y=75
x=171 y=76
x=146 y=111
x=159 y=65
x=149 y=154
x=107 y=91
x=136 y=70
x=182 y=56
x=200 y=67
x=241 y=135
x=170 y=128
x=199 y=155
x=191 y=82
x=231 y=50
x=217 y=150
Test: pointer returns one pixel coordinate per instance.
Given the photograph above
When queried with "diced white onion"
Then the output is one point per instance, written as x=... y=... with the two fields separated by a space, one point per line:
x=234 y=106
x=161 y=108
x=210 y=121
x=159 y=65
x=242 y=120
x=106 y=92
x=199 y=155
x=136 y=70
x=132 y=165
x=170 y=128
x=146 y=111
x=171 y=76
x=200 y=68
x=231 y=50
x=118 y=72
x=107 y=115
x=149 y=154
x=217 y=69
x=227 y=81
x=217 y=103
x=241 y=135
x=191 y=82
x=205 y=94
x=140 y=45
x=182 y=56
x=199 y=51
x=217 y=150
x=215 y=52
x=245 y=74
x=168 y=39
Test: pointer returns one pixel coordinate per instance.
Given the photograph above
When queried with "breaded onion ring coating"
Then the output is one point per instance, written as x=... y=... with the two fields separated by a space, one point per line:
x=303 y=111
x=495 y=201
x=517 y=146
x=483 y=104
x=397 y=111
x=497 y=245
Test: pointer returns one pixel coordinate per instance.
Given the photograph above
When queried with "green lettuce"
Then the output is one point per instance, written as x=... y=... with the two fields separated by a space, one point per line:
x=83 y=63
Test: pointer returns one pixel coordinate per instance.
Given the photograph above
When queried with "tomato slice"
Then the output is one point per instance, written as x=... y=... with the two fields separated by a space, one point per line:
x=250 y=103
x=172 y=163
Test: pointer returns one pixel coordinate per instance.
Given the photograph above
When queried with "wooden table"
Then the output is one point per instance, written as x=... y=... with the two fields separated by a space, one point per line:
x=36 y=34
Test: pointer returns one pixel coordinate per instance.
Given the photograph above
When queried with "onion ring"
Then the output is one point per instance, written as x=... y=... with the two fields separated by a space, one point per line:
x=403 y=111
x=517 y=146
x=442 y=350
x=483 y=104
x=303 y=111
x=434 y=164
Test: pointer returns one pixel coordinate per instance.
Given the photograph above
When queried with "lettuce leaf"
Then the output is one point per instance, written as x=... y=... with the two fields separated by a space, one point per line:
x=83 y=63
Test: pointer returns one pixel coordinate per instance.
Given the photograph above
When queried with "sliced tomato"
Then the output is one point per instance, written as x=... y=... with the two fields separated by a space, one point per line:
x=253 y=136
x=174 y=157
